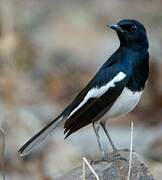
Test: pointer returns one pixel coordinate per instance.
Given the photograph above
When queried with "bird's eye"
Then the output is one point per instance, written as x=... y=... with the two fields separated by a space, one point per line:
x=132 y=28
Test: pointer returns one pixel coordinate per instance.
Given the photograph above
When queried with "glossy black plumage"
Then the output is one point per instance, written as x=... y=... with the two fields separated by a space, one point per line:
x=131 y=58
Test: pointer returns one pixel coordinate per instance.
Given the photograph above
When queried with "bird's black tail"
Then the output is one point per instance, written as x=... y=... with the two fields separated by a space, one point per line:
x=40 y=136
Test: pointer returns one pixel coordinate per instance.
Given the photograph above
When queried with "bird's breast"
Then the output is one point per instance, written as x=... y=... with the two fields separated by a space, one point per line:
x=126 y=102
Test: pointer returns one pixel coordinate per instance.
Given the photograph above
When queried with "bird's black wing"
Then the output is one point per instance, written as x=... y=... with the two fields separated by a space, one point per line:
x=85 y=108
x=95 y=99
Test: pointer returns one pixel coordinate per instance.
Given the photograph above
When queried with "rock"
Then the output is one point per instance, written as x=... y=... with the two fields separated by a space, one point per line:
x=113 y=170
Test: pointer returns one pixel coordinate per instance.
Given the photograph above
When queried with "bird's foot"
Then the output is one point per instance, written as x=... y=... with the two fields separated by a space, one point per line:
x=117 y=157
x=114 y=157
x=104 y=158
x=125 y=150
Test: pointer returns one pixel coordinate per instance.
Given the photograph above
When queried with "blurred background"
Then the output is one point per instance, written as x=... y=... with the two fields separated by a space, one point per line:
x=49 y=50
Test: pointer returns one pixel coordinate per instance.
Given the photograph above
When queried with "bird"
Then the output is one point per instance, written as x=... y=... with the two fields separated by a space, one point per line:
x=114 y=91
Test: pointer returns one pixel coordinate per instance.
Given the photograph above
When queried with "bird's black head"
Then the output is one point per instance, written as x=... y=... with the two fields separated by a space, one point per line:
x=131 y=33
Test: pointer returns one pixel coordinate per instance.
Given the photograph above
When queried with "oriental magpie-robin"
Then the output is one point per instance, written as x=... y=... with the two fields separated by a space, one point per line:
x=115 y=89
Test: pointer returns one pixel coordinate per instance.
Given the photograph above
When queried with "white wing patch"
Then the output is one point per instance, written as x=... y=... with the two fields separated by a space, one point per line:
x=99 y=91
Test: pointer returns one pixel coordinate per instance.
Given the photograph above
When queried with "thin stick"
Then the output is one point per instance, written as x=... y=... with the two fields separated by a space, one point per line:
x=90 y=167
x=2 y=153
x=84 y=170
x=130 y=155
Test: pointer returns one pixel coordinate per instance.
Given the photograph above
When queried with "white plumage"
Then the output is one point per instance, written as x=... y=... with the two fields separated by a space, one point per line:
x=99 y=91
x=126 y=102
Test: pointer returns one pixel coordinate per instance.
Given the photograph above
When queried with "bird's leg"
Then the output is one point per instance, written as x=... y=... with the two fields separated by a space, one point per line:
x=116 y=155
x=96 y=127
x=108 y=136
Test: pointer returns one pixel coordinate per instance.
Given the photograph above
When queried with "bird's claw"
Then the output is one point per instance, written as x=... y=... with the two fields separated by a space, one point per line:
x=114 y=158
x=117 y=157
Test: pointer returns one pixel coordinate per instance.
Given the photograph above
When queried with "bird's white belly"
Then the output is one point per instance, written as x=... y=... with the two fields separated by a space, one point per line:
x=126 y=102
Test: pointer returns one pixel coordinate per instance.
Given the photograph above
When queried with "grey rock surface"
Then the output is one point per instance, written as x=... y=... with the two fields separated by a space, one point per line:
x=113 y=170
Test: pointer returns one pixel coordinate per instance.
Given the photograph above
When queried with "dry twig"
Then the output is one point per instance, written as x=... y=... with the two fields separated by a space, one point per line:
x=90 y=167
x=2 y=153
x=130 y=155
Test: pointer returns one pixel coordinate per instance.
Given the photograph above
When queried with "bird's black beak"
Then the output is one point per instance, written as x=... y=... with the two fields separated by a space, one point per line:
x=116 y=27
